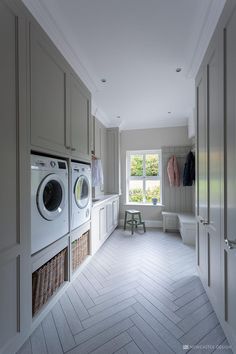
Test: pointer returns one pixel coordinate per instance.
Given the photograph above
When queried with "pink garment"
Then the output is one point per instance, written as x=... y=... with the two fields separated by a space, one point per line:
x=173 y=171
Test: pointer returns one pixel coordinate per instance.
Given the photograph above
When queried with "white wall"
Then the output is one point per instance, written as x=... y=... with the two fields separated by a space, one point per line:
x=148 y=139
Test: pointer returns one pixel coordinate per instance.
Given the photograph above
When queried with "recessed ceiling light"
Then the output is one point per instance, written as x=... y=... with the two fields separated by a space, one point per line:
x=103 y=80
x=178 y=70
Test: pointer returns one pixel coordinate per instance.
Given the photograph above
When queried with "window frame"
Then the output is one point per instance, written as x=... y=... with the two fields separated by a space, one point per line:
x=142 y=178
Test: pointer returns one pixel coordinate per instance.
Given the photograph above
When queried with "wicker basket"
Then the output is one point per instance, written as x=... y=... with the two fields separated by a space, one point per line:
x=80 y=249
x=47 y=279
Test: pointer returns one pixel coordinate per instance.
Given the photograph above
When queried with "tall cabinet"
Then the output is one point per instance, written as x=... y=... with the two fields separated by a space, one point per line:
x=15 y=296
x=216 y=166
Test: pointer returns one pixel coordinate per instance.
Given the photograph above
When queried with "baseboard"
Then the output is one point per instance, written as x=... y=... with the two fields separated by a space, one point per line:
x=148 y=223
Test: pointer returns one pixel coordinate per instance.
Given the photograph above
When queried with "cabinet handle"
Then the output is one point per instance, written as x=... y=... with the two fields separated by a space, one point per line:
x=230 y=244
x=67 y=147
x=73 y=149
x=204 y=222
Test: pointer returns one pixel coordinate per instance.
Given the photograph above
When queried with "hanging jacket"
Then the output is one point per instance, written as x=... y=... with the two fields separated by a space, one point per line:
x=189 y=170
x=173 y=172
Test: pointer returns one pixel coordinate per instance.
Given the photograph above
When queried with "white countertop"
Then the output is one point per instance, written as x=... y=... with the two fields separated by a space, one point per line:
x=103 y=198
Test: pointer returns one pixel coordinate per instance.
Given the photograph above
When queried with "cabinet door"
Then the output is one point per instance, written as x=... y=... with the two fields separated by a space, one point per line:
x=229 y=252
x=109 y=218
x=47 y=92
x=15 y=300
x=113 y=161
x=95 y=231
x=97 y=138
x=115 y=212
x=215 y=145
x=202 y=173
x=80 y=102
x=102 y=223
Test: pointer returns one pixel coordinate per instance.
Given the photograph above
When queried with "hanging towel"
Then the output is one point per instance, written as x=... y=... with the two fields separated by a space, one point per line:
x=97 y=173
x=189 y=170
x=173 y=172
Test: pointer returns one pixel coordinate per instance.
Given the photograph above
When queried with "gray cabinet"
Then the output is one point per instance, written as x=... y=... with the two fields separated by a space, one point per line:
x=113 y=160
x=60 y=104
x=15 y=301
x=80 y=102
x=100 y=149
x=97 y=137
x=228 y=52
x=216 y=166
x=48 y=72
x=104 y=219
x=115 y=212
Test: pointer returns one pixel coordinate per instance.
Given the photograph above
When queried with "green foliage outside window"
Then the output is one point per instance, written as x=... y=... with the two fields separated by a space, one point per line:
x=136 y=195
x=152 y=165
x=153 y=193
x=136 y=165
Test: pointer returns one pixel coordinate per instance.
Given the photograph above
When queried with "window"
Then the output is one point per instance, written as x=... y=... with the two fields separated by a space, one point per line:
x=143 y=176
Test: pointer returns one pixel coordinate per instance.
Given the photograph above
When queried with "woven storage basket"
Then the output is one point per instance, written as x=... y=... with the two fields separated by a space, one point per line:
x=80 y=249
x=47 y=279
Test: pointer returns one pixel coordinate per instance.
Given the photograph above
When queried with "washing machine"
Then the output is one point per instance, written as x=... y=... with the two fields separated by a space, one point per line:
x=81 y=194
x=49 y=201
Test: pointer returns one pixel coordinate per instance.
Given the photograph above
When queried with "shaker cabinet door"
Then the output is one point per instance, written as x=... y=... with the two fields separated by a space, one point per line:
x=47 y=93
x=80 y=102
x=202 y=174
x=229 y=252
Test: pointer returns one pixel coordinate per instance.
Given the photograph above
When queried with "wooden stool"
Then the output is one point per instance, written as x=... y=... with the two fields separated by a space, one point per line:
x=133 y=221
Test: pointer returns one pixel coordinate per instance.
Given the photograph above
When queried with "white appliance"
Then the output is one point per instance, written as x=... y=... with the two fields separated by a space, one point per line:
x=81 y=194
x=49 y=201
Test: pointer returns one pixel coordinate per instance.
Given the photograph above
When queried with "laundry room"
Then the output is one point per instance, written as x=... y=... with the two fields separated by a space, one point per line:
x=117 y=184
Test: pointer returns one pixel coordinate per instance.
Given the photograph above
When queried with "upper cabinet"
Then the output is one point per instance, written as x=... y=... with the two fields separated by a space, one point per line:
x=113 y=160
x=48 y=73
x=80 y=107
x=60 y=104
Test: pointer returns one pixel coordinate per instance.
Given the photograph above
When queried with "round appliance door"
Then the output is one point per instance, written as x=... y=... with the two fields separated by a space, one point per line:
x=51 y=197
x=82 y=191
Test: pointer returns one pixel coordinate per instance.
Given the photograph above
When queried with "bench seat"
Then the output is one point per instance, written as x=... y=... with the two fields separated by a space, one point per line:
x=185 y=223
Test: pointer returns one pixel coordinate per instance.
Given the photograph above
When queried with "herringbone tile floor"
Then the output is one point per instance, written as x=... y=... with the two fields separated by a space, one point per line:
x=138 y=294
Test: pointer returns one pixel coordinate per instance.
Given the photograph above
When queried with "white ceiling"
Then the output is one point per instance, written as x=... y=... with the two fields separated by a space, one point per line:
x=136 y=45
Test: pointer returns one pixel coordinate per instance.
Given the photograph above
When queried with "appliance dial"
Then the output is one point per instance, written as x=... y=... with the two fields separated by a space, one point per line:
x=53 y=163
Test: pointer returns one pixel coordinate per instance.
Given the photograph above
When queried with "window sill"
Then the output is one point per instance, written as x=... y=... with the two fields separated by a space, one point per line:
x=146 y=205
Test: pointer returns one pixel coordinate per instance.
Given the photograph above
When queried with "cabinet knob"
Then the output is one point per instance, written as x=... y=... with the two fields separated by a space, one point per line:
x=230 y=244
x=73 y=149
x=67 y=147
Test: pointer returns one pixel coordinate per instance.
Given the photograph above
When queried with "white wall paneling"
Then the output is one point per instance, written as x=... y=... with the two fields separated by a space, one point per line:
x=176 y=199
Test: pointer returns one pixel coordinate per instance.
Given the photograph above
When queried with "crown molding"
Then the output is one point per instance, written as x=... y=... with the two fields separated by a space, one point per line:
x=201 y=42
x=100 y=115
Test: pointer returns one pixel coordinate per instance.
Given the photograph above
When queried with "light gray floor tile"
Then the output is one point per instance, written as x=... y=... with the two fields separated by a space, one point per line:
x=138 y=294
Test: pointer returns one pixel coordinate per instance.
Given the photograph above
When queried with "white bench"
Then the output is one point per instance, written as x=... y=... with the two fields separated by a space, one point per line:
x=185 y=223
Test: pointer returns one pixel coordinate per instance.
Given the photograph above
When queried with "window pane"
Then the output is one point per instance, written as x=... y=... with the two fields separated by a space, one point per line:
x=136 y=165
x=152 y=191
x=152 y=165
x=136 y=191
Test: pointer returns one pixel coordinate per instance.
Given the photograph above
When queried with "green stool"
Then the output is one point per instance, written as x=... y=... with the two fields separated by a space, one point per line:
x=134 y=221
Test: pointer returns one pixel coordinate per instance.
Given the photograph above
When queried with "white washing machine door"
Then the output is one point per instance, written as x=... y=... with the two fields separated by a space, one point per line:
x=82 y=191
x=51 y=197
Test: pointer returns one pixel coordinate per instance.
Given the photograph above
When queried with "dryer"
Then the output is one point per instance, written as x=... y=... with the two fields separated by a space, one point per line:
x=49 y=201
x=81 y=194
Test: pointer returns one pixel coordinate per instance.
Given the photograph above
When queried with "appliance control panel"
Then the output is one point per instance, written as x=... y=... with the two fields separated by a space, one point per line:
x=47 y=163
